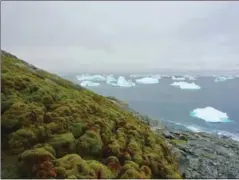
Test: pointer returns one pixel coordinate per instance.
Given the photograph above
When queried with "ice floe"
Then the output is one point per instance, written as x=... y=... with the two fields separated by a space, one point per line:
x=210 y=114
x=223 y=78
x=190 y=78
x=185 y=85
x=89 y=83
x=178 y=78
x=156 y=76
x=91 y=78
x=147 y=80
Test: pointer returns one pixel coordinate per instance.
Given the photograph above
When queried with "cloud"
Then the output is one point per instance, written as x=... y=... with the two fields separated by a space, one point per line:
x=122 y=36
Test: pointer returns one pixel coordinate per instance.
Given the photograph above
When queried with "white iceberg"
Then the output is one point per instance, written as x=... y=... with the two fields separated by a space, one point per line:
x=147 y=80
x=178 y=78
x=220 y=79
x=89 y=83
x=190 y=78
x=122 y=82
x=210 y=114
x=223 y=78
x=185 y=85
x=90 y=78
x=110 y=79
x=156 y=76
x=139 y=75
x=165 y=76
x=136 y=75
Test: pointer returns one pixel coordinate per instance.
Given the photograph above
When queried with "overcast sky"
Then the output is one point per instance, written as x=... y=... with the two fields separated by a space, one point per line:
x=122 y=36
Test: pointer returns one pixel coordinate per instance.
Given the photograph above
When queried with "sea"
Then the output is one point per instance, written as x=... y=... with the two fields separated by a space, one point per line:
x=173 y=105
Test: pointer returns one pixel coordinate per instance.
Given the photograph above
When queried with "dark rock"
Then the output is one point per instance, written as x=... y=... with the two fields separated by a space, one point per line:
x=204 y=155
x=168 y=135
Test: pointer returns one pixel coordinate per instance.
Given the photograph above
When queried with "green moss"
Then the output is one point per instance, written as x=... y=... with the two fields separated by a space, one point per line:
x=63 y=143
x=70 y=165
x=101 y=171
x=77 y=129
x=30 y=158
x=90 y=144
x=73 y=165
x=39 y=108
x=146 y=171
x=134 y=148
x=113 y=164
x=10 y=172
x=46 y=147
x=22 y=139
x=177 y=141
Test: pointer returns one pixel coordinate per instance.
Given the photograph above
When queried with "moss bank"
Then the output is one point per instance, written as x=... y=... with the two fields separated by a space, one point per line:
x=60 y=130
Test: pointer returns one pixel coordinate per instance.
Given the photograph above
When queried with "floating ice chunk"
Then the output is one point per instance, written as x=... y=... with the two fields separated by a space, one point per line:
x=165 y=76
x=185 y=85
x=147 y=80
x=89 y=83
x=190 y=78
x=178 y=78
x=137 y=75
x=222 y=78
x=210 y=114
x=90 y=78
x=110 y=79
x=157 y=76
x=122 y=82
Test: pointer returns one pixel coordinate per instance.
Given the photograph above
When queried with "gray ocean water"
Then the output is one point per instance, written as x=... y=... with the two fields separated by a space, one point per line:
x=173 y=105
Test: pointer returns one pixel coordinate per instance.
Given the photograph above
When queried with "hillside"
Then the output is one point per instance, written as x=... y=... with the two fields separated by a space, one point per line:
x=52 y=128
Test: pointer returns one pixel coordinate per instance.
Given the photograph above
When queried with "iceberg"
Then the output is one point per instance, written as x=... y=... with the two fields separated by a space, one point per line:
x=210 y=114
x=165 y=76
x=147 y=80
x=185 y=85
x=178 y=78
x=157 y=76
x=89 y=83
x=190 y=78
x=90 y=78
x=137 y=75
x=122 y=82
x=110 y=79
x=221 y=78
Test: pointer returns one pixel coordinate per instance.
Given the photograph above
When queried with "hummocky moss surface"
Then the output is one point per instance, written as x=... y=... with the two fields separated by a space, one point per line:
x=52 y=128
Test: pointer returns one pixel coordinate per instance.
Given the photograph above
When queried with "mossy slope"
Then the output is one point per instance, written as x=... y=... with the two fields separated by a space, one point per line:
x=60 y=130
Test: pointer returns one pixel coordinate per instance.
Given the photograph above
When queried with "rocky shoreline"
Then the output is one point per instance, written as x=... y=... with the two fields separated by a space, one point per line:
x=200 y=155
